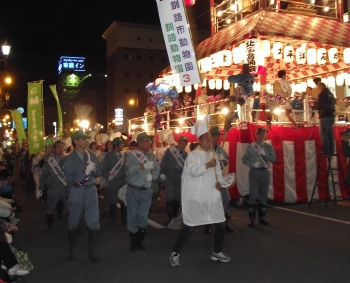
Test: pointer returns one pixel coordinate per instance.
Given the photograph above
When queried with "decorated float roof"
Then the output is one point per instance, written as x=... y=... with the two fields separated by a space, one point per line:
x=288 y=28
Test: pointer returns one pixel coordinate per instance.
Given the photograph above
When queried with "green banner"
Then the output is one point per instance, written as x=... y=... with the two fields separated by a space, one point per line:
x=59 y=110
x=35 y=117
x=17 y=119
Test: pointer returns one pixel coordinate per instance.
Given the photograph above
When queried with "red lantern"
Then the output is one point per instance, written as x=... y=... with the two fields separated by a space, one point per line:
x=190 y=2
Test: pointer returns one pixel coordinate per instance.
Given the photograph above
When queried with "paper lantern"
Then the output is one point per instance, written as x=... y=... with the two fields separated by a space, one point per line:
x=293 y=86
x=333 y=55
x=204 y=83
x=321 y=56
x=303 y=86
x=188 y=88
x=269 y=87
x=340 y=79
x=347 y=78
x=226 y=85
x=258 y=86
x=310 y=83
x=288 y=54
x=226 y=58
x=311 y=56
x=346 y=55
x=205 y=65
x=190 y=2
x=277 y=50
x=266 y=48
x=211 y=84
x=218 y=84
x=300 y=55
x=236 y=54
x=195 y=86
x=179 y=88
x=243 y=52
x=331 y=81
x=325 y=81
x=254 y=86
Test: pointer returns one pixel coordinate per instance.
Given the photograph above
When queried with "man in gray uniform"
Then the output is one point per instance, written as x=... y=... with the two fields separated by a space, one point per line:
x=141 y=170
x=113 y=169
x=52 y=175
x=223 y=158
x=171 y=168
x=259 y=156
x=81 y=169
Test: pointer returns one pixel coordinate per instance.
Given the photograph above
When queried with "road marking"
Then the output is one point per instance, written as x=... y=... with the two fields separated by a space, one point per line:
x=155 y=224
x=312 y=215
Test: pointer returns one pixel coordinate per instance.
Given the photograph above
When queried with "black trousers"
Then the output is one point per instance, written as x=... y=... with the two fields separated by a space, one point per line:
x=6 y=255
x=187 y=230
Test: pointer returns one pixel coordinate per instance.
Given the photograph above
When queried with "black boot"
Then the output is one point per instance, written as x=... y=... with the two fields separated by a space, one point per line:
x=169 y=208
x=124 y=213
x=49 y=218
x=140 y=236
x=133 y=238
x=176 y=207
x=72 y=236
x=262 y=213
x=113 y=213
x=251 y=209
x=93 y=241
x=227 y=228
x=60 y=206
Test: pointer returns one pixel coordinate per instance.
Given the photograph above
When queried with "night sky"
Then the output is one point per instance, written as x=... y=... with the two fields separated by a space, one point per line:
x=40 y=32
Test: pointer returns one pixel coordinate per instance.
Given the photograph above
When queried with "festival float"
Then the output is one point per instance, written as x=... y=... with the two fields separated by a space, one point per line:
x=307 y=40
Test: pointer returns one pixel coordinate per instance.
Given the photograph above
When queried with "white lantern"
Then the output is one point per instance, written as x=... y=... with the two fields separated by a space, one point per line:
x=216 y=60
x=204 y=83
x=311 y=56
x=266 y=48
x=195 y=86
x=237 y=57
x=311 y=83
x=331 y=81
x=346 y=55
x=347 y=78
x=226 y=85
x=277 y=50
x=269 y=87
x=188 y=88
x=258 y=86
x=205 y=65
x=211 y=84
x=179 y=88
x=303 y=86
x=300 y=55
x=254 y=86
x=218 y=84
x=325 y=81
x=321 y=56
x=227 y=58
x=333 y=55
x=340 y=79
x=288 y=54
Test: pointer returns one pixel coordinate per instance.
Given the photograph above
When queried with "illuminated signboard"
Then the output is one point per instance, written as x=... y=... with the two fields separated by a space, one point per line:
x=119 y=117
x=71 y=64
x=25 y=123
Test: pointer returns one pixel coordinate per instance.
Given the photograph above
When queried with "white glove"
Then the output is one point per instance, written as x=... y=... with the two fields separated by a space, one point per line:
x=110 y=178
x=91 y=167
x=257 y=164
x=149 y=165
x=163 y=177
x=221 y=157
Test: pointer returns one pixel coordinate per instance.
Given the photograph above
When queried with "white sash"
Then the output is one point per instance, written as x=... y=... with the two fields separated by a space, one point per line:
x=139 y=156
x=261 y=152
x=115 y=170
x=58 y=171
x=177 y=156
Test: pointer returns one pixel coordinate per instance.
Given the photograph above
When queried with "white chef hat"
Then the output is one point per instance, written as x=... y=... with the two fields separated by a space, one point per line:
x=201 y=127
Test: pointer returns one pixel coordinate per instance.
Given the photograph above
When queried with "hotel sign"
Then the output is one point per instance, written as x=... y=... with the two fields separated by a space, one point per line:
x=72 y=64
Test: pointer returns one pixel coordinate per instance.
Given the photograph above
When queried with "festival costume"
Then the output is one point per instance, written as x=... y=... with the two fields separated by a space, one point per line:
x=283 y=87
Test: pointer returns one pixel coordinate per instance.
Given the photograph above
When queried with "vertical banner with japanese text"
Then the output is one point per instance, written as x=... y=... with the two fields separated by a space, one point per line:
x=17 y=119
x=35 y=117
x=178 y=41
x=59 y=110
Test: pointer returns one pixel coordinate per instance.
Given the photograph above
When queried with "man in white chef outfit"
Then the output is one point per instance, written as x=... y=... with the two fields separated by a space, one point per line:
x=200 y=193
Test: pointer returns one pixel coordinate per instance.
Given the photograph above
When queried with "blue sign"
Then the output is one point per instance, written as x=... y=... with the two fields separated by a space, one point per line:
x=25 y=123
x=71 y=64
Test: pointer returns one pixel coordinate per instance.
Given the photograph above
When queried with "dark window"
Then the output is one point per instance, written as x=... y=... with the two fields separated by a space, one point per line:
x=138 y=75
x=126 y=74
x=127 y=91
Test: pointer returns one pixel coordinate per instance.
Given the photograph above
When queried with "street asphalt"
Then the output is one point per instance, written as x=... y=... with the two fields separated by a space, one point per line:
x=301 y=245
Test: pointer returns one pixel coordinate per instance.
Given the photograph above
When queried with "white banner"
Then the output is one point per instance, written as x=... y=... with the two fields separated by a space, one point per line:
x=178 y=41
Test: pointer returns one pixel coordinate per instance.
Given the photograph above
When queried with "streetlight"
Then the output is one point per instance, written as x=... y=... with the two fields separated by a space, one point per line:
x=6 y=50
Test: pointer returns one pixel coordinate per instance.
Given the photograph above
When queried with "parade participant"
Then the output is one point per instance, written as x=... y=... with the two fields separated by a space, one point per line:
x=316 y=90
x=81 y=169
x=53 y=177
x=245 y=81
x=113 y=169
x=36 y=170
x=223 y=158
x=202 y=97
x=259 y=156
x=171 y=168
x=141 y=170
x=325 y=104
x=201 y=198
x=282 y=86
x=103 y=180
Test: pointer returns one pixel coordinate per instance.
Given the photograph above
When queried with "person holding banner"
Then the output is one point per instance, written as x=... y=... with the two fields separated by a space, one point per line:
x=113 y=169
x=53 y=177
x=141 y=170
x=81 y=169
x=201 y=199
x=258 y=156
x=171 y=168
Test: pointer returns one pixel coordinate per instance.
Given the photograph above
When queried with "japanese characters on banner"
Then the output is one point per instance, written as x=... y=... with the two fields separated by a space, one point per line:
x=252 y=47
x=35 y=117
x=178 y=41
